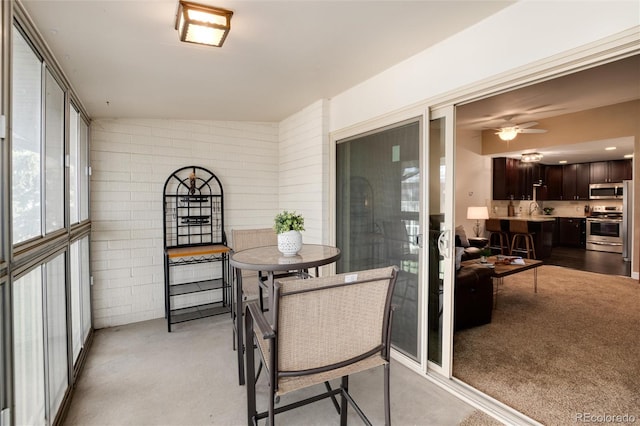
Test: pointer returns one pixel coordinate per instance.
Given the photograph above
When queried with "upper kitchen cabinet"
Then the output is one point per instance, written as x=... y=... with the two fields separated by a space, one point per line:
x=610 y=171
x=529 y=174
x=506 y=184
x=553 y=182
x=575 y=181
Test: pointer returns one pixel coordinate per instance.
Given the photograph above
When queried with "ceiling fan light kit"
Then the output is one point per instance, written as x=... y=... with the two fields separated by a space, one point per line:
x=509 y=131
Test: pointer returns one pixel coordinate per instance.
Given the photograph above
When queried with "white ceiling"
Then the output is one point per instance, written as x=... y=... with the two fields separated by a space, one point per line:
x=607 y=84
x=124 y=59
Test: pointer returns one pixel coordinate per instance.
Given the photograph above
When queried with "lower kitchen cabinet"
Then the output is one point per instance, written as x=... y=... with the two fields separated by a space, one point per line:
x=571 y=232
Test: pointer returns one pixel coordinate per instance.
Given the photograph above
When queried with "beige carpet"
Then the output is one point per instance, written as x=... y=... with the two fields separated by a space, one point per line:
x=565 y=355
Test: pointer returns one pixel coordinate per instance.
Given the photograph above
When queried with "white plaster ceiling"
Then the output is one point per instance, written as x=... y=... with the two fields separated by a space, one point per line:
x=607 y=84
x=124 y=59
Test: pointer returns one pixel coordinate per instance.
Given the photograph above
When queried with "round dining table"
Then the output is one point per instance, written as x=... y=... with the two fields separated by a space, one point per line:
x=269 y=260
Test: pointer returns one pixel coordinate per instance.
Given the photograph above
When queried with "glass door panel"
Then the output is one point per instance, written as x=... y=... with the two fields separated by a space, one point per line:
x=378 y=217
x=440 y=208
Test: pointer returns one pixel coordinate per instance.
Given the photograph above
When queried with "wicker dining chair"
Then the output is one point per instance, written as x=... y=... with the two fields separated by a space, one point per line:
x=323 y=329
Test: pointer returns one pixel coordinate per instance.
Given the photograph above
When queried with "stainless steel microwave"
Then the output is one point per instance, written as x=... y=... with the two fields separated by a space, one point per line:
x=606 y=191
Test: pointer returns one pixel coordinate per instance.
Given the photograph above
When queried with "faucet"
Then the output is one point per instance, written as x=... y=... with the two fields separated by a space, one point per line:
x=533 y=207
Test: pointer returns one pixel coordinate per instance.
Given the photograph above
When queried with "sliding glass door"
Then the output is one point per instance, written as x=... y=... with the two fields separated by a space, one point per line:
x=440 y=240
x=378 y=212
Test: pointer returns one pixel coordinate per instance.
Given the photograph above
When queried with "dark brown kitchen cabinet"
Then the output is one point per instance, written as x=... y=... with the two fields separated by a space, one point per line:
x=506 y=183
x=610 y=171
x=553 y=182
x=575 y=181
x=620 y=170
x=571 y=232
x=529 y=174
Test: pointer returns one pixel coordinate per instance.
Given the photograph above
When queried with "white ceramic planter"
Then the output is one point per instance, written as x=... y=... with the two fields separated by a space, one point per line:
x=290 y=243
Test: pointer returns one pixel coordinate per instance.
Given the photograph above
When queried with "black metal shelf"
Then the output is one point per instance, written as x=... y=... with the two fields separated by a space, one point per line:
x=196 y=286
x=198 y=311
x=194 y=234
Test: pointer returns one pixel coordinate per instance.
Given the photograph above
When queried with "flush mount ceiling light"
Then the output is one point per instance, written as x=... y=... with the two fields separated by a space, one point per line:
x=531 y=157
x=197 y=23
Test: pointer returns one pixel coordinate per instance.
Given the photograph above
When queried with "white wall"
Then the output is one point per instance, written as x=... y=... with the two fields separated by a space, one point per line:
x=473 y=178
x=526 y=32
x=131 y=159
x=304 y=169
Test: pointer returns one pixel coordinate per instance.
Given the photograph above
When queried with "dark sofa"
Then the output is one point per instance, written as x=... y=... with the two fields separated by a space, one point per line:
x=473 y=297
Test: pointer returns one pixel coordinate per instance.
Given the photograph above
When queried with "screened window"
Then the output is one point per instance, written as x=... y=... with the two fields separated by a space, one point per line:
x=78 y=167
x=28 y=349
x=26 y=147
x=80 y=294
x=37 y=158
x=56 y=332
x=54 y=152
x=74 y=116
x=39 y=341
x=83 y=140
x=3 y=348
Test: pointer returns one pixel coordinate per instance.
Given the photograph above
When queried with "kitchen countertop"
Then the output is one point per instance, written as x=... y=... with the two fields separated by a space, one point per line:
x=534 y=218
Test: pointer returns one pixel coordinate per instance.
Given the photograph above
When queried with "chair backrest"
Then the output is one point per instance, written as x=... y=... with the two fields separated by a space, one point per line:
x=323 y=321
x=519 y=226
x=492 y=225
x=242 y=239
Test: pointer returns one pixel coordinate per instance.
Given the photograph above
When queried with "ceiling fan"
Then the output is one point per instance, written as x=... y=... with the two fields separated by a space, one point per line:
x=510 y=130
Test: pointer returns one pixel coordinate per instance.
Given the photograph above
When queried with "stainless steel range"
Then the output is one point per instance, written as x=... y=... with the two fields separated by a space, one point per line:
x=604 y=229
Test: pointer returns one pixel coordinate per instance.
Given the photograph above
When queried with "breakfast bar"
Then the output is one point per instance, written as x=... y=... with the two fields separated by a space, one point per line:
x=541 y=227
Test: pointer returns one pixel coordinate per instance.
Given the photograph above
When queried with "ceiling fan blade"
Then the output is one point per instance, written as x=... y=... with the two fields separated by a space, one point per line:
x=529 y=124
x=533 y=131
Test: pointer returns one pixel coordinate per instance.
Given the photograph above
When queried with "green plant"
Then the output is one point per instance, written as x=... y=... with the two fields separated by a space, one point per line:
x=288 y=221
x=485 y=252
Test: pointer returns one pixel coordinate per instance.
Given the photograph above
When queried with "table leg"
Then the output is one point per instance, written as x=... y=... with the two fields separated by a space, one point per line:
x=535 y=280
x=239 y=327
x=498 y=282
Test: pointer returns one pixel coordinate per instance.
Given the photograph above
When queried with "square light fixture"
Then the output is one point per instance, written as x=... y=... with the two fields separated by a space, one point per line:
x=531 y=157
x=197 y=23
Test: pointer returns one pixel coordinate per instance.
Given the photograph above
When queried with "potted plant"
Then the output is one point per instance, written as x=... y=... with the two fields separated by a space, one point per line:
x=484 y=253
x=288 y=226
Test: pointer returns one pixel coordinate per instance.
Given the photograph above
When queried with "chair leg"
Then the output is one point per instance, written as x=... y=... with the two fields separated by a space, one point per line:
x=387 y=405
x=533 y=247
x=251 y=386
x=333 y=397
x=343 y=401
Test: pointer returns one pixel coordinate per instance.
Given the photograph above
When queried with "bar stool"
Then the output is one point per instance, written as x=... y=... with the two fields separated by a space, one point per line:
x=522 y=241
x=498 y=238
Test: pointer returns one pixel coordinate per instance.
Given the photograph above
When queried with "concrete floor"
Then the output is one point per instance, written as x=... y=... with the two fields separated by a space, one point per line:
x=140 y=374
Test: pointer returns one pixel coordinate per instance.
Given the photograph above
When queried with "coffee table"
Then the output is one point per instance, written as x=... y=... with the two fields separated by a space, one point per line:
x=500 y=271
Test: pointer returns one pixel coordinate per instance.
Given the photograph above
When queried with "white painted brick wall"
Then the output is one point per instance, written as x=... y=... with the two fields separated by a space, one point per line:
x=304 y=169
x=131 y=159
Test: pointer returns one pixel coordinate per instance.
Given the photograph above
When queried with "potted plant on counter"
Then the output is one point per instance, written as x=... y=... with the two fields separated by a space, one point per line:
x=288 y=226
